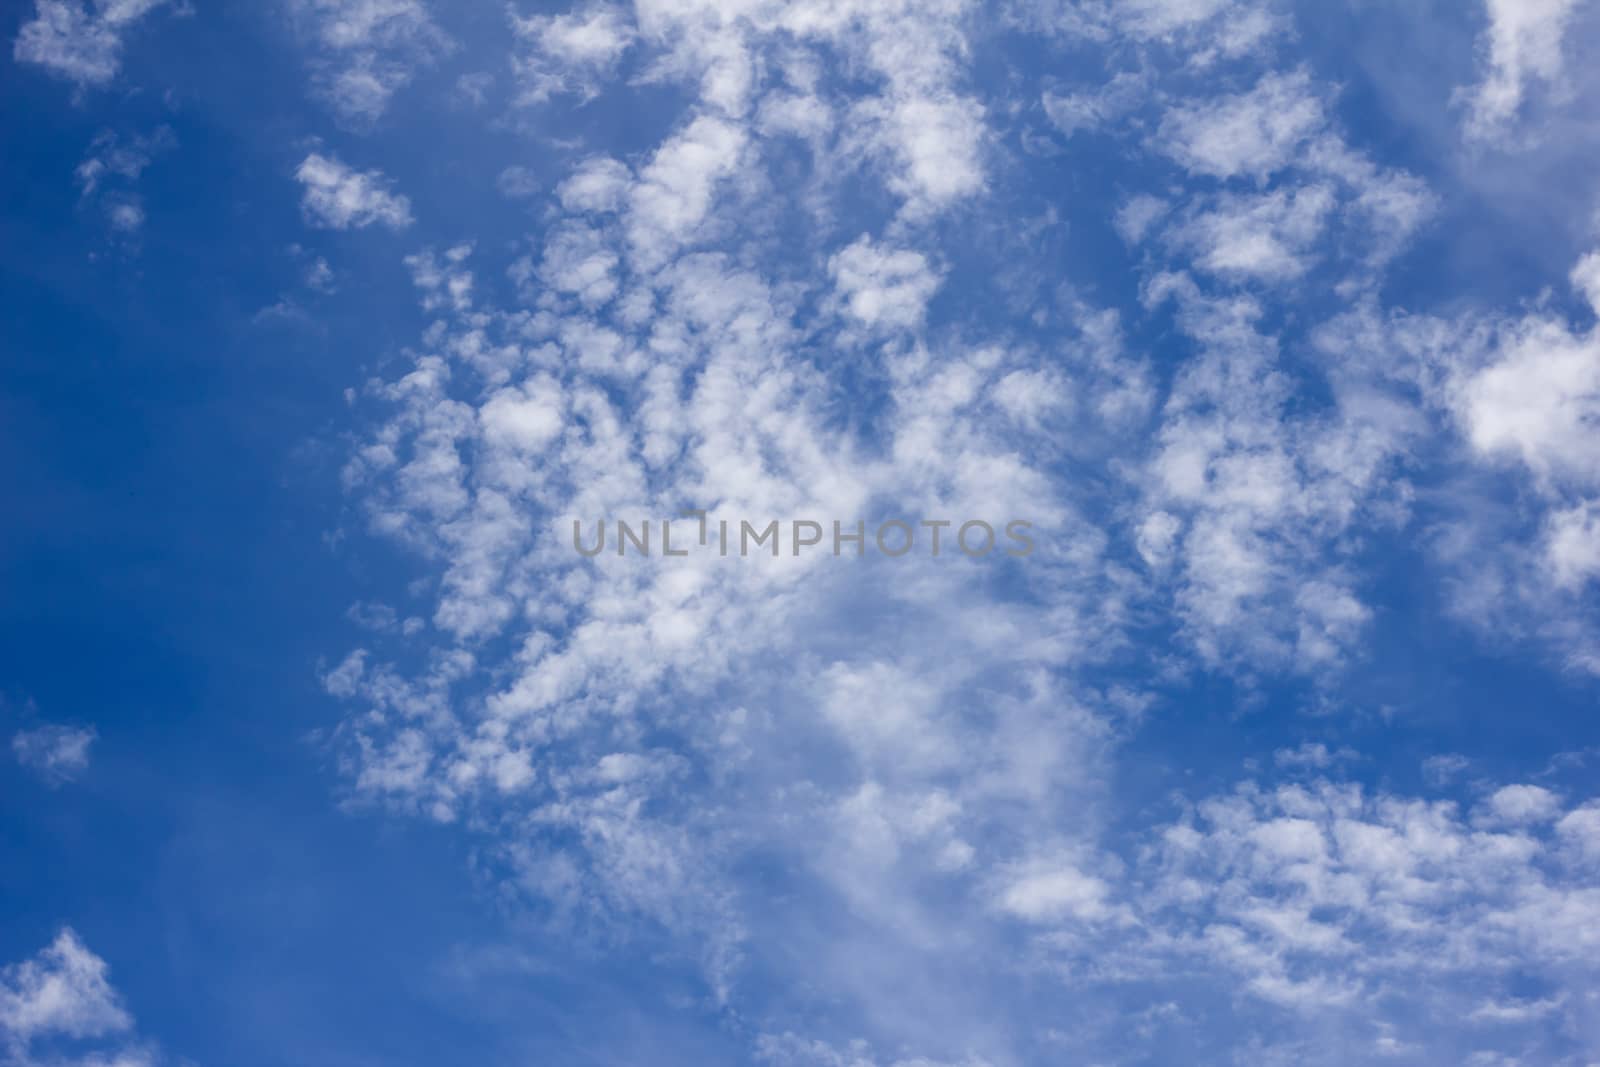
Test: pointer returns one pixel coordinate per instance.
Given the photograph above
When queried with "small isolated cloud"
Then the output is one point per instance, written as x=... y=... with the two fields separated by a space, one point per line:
x=1519 y=805
x=339 y=198
x=517 y=183
x=125 y=214
x=57 y=753
x=319 y=276
x=61 y=992
x=78 y=41
x=59 y=1008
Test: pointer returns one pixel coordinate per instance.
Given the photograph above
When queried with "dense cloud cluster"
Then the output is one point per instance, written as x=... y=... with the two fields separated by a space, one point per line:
x=1209 y=448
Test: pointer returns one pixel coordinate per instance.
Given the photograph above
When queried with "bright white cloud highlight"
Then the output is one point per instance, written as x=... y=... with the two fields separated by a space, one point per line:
x=80 y=40
x=1524 y=44
x=58 y=1008
x=337 y=197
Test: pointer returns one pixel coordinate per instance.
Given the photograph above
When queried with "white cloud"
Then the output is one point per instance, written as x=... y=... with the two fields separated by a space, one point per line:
x=881 y=287
x=367 y=50
x=1270 y=236
x=1580 y=829
x=444 y=281
x=1248 y=504
x=1054 y=893
x=1201 y=32
x=596 y=184
x=937 y=145
x=1516 y=1011
x=125 y=214
x=112 y=156
x=1071 y=112
x=916 y=752
x=1136 y=217
x=1311 y=756
x=1524 y=44
x=1518 y=805
x=568 y=53
x=1524 y=393
x=578 y=260
x=675 y=189
x=792 y=1050
x=61 y=991
x=1572 y=545
x=526 y=418
x=79 y=41
x=1538 y=401
x=56 y=753
x=517 y=183
x=1289 y=887
x=1253 y=134
x=337 y=197
x=671 y=372
x=107 y=175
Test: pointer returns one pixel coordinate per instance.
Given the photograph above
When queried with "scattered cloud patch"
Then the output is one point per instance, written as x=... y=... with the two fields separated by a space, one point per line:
x=881 y=287
x=339 y=198
x=58 y=754
x=59 y=1008
x=365 y=51
x=568 y=53
x=1523 y=45
x=80 y=40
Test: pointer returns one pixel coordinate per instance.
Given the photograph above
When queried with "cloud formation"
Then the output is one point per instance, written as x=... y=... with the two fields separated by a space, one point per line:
x=56 y=753
x=80 y=40
x=340 y=198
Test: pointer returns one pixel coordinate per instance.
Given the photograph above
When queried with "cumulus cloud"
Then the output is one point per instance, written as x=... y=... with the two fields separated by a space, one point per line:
x=1538 y=402
x=1517 y=805
x=882 y=287
x=1523 y=44
x=337 y=197
x=1252 y=134
x=674 y=193
x=1271 y=236
x=567 y=53
x=62 y=991
x=80 y=40
x=1521 y=392
x=1054 y=892
x=59 y=1008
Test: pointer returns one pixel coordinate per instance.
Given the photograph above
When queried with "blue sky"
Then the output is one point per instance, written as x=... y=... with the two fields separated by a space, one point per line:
x=324 y=320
